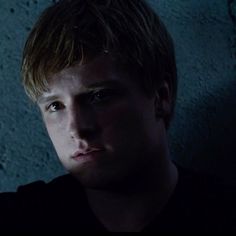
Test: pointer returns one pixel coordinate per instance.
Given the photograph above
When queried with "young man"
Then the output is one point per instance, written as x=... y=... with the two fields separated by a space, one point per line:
x=104 y=76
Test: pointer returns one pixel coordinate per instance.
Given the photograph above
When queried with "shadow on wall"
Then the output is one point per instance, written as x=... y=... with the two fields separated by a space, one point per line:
x=208 y=142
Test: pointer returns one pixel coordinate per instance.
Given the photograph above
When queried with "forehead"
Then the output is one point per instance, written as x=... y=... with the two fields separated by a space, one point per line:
x=101 y=70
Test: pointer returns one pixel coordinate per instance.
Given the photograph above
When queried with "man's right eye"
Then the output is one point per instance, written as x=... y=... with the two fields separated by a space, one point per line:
x=54 y=107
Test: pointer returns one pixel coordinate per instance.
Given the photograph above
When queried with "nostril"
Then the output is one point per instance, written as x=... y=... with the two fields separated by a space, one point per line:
x=87 y=133
x=74 y=135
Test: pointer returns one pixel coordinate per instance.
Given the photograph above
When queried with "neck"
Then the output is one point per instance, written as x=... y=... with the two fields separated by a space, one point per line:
x=134 y=207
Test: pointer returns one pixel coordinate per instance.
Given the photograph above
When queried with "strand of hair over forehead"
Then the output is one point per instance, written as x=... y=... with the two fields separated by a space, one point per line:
x=100 y=9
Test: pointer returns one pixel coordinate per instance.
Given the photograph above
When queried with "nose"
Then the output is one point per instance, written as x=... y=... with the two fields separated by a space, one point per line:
x=82 y=123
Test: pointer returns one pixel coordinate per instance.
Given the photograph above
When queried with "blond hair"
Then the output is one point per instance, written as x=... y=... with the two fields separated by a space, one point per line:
x=76 y=31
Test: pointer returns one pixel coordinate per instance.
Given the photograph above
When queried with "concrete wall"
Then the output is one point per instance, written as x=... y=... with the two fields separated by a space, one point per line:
x=203 y=133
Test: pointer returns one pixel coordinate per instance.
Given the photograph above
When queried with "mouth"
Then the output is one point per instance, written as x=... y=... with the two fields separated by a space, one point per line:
x=87 y=154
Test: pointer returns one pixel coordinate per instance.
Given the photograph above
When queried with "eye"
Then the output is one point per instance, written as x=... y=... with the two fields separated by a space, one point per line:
x=103 y=95
x=55 y=106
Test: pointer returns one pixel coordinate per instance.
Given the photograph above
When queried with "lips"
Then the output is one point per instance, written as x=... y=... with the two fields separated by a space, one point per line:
x=85 y=153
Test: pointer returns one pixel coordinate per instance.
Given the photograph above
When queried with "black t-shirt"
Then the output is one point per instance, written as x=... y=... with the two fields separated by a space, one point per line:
x=197 y=205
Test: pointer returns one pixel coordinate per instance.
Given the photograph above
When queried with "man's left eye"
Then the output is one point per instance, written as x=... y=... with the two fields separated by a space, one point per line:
x=101 y=96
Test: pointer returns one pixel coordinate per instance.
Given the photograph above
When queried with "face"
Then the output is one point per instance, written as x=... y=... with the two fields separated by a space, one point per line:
x=103 y=127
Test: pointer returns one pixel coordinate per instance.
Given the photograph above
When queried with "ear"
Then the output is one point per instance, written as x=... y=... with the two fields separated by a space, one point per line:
x=163 y=100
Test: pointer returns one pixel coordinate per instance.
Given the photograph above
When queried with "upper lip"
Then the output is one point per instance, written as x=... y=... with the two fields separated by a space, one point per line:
x=84 y=152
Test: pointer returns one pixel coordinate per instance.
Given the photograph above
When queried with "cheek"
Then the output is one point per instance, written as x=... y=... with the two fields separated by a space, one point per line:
x=57 y=134
x=121 y=123
x=117 y=115
x=55 y=125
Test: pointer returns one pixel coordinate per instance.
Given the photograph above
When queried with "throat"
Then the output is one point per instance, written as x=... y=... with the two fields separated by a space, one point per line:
x=132 y=211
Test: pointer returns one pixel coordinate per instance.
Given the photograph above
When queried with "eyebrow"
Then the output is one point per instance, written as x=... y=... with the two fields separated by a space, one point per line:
x=108 y=83
x=44 y=99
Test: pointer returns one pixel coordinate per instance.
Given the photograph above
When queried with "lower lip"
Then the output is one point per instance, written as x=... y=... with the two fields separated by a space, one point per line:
x=88 y=156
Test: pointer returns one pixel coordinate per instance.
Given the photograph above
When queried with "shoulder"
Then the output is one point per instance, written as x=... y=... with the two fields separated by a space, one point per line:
x=59 y=184
x=37 y=204
x=40 y=195
x=204 y=185
x=210 y=202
